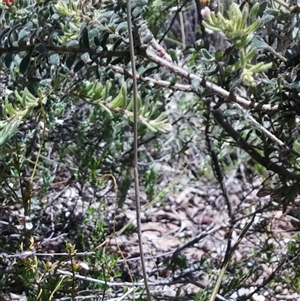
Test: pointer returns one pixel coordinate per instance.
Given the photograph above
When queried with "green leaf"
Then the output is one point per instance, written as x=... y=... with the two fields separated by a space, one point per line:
x=213 y=18
x=78 y=66
x=260 y=67
x=9 y=130
x=219 y=55
x=252 y=27
x=46 y=82
x=149 y=71
x=117 y=43
x=242 y=57
x=258 y=43
x=23 y=37
x=25 y=63
x=251 y=54
x=104 y=39
x=8 y=59
x=84 y=39
x=10 y=34
x=98 y=92
x=136 y=12
x=130 y=105
x=149 y=126
x=120 y=100
x=73 y=44
x=97 y=41
x=173 y=55
x=70 y=61
x=272 y=11
x=254 y=12
x=195 y=84
x=41 y=48
x=267 y=19
x=4 y=32
x=86 y=57
x=55 y=17
x=122 y=27
x=234 y=67
x=99 y=50
x=205 y=54
x=55 y=59
x=210 y=26
x=245 y=14
x=54 y=34
x=243 y=41
x=235 y=12
x=213 y=70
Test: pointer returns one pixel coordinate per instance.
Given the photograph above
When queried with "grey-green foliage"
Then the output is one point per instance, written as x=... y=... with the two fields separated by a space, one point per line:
x=86 y=40
x=69 y=111
x=182 y=25
x=66 y=115
x=62 y=66
x=261 y=37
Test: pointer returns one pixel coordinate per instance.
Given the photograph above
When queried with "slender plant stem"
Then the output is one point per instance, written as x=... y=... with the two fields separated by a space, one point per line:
x=135 y=160
x=226 y=262
x=182 y=29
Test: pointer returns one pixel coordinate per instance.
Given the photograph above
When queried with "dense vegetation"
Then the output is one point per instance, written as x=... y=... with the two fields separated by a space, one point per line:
x=217 y=126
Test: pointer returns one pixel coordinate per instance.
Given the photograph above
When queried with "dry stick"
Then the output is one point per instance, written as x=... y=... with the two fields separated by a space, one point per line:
x=135 y=135
x=173 y=20
x=286 y=5
x=219 y=175
x=188 y=88
x=209 y=85
x=169 y=281
x=198 y=238
x=278 y=55
x=126 y=294
x=263 y=129
x=226 y=262
x=269 y=165
x=281 y=266
x=221 y=119
x=155 y=82
x=65 y=49
x=182 y=28
x=194 y=282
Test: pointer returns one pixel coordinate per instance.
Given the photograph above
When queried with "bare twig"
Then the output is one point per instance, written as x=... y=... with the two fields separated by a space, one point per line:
x=182 y=29
x=209 y=85
x=188 y=88
x=135 y=134
x=278 y=55
x=219 y=175
x=65 y=49
x=156 y=82
x=269 y=165
x=226 y=262
x=280 y=2
x=173 y=19
x=281 y=266
x=261 y=127
x=125 y=295
x=198 y=238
